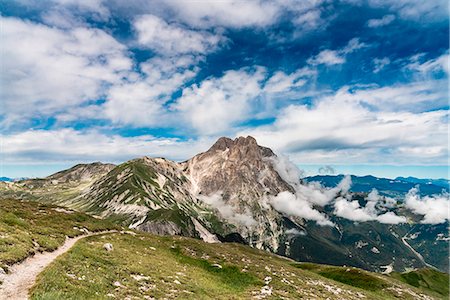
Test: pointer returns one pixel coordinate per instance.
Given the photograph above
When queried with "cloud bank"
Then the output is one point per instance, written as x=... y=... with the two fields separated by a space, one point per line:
x=434 y=209
x=227 y=211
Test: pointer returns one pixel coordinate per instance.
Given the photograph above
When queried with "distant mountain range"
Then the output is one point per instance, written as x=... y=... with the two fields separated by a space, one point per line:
x=8 y=179
x=397 y=187
x=240 y=191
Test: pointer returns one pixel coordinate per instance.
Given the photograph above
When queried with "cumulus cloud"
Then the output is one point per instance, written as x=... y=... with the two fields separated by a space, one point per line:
x=434 y=209
x=169 y=39
x=229 y=13
x=327 y=57
x=227 y=211
x=351 y=210
x=216 y=103
x=69 y=145
x=52 y=70
x=291 y=205
x=301 y=202
x=396 y=136
x=336 y=57
x=385 y=20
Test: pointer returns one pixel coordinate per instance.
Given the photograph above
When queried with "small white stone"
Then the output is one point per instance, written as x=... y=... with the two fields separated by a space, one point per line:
x=108 y=247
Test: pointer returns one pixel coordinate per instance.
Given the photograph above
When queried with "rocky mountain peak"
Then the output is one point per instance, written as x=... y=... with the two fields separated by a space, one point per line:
x=244 y=146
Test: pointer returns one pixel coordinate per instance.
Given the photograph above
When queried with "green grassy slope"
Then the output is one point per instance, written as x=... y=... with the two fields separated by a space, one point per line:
x=144 y=266
x=427 y=279
x=27 y=227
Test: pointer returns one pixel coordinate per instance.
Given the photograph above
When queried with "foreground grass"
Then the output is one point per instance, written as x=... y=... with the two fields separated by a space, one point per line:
x=434 y=282
x=143 y=266
x=27 y=227
x=427 y=279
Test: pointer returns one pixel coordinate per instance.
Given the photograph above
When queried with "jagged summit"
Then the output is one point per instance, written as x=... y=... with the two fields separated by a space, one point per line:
x=245 y=145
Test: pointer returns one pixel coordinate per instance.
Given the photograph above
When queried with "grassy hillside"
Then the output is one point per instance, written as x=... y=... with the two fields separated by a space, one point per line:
x=27 y=227
x=427 y=279
x=147 y=266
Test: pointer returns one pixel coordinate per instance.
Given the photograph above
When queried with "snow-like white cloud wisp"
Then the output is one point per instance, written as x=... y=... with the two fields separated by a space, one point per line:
x=227 y=211
x=434 y=209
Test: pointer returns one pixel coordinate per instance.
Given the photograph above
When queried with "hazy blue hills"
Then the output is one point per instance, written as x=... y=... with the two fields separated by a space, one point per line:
x=385 y=186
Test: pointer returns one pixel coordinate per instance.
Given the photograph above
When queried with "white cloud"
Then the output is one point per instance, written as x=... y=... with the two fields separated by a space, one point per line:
x=52 y=70
x=413 y=97
x=229 y=13
x=68 y=145
x=327 y=57
x=227 y=211
x=385 y=20
x=288 y=204
x=429 y=67
x=294 y=232
x=380 y=63
x=390 y=218
x=417 y=10
x=352 y=210
x=217 y=103
x=434 y=209
x=143 y=99
x=169 y=39
x=336 y=57
x=281 y=82
x=300 y=203
x=335 y=128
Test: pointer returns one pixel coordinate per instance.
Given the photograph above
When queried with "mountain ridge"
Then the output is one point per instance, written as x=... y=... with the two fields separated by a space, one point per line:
x=229 y=191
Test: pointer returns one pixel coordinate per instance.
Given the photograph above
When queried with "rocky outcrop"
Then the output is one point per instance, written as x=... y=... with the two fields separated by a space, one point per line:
x=161 y=228
x=242 y=173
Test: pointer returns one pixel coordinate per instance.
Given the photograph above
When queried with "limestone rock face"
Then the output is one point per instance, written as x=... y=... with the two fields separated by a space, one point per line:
x=242 y=173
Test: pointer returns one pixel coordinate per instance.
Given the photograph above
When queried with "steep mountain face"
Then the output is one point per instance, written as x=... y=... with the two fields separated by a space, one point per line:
x=240 y=173
x=151 y=194
x=224 y=194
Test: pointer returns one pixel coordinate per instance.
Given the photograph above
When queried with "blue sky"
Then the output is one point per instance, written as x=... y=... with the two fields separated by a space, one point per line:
x=358 y=85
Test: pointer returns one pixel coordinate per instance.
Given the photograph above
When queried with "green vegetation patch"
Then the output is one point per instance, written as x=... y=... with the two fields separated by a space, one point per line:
x=350 y=276
x=231 y=275
x=427 y=279
x=27 y=227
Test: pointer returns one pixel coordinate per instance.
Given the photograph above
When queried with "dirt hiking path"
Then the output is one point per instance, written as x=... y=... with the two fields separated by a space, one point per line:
x=22 y=276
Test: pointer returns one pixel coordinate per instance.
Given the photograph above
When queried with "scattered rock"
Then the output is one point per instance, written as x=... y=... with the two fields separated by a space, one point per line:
x=152 y=248
x=140 y=277
x=216 y=266
x=108 y=247
x=117 y=284
x=176 y=282
x=2 y=271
